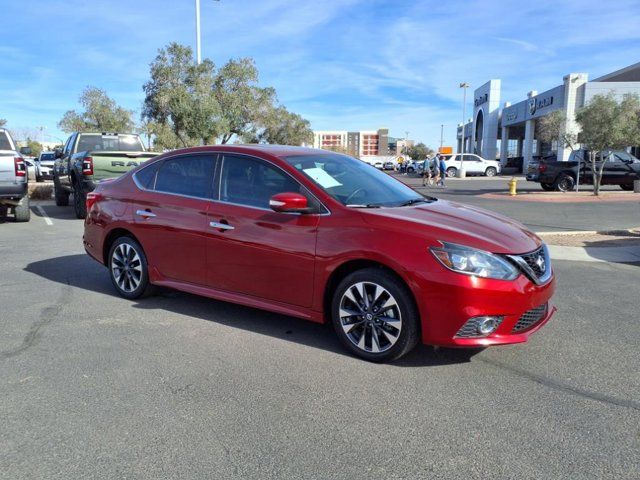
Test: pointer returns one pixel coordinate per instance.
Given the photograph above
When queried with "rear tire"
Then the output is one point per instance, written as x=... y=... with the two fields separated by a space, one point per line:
x=491 y=172
x=451 y=172
x=61 y=196
x=128 y=269
x=565 y=183
x=79 y=201
x=547 y=187
x=384 y=322
x=22 y=211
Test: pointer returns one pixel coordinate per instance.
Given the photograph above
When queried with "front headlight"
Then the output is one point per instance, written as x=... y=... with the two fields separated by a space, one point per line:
x=470 y=261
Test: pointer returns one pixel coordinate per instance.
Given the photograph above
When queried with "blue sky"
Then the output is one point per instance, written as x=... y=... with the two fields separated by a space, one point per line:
x=342 y=64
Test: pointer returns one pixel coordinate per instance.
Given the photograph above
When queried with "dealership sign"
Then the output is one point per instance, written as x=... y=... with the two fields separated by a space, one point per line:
x=511 y=116
x=536 y=104
x=481 y=99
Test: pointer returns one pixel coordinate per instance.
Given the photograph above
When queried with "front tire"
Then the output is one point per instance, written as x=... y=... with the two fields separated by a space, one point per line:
x=128 y=269
x=451 y=172
x=374 y=315
x=491 y=172
x=22 y=211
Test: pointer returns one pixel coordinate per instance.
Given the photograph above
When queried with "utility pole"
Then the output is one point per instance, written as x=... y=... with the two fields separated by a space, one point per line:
x=463 y=86
x=441 y=135
x=198 y=49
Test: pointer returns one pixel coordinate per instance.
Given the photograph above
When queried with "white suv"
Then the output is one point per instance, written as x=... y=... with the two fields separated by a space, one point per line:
x=472 y=164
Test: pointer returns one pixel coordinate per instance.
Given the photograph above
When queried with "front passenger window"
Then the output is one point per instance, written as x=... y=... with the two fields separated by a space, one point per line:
x=251 y=182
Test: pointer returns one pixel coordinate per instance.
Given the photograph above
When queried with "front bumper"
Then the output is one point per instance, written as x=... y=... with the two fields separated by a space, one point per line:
x=450 y=299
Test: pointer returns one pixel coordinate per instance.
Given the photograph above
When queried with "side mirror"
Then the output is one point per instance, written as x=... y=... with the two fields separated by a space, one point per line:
x=58 y=153
x=289 y=202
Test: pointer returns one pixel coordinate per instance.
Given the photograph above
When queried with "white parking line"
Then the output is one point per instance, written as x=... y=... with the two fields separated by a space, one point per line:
x=44 y=215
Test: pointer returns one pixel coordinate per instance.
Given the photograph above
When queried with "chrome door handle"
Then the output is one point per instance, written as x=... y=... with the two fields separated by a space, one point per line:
x=221 y=226
x=145 y=214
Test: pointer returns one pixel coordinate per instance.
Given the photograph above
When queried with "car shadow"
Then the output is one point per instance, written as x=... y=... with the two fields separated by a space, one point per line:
x=80 y=271
x=54 y=212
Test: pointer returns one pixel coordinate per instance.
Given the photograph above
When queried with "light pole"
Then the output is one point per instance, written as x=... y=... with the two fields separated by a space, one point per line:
x=441 y=135
x=464 y=85
x=198 y=50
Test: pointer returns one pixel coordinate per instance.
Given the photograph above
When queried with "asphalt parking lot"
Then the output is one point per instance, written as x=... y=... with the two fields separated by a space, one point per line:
x=178 y=386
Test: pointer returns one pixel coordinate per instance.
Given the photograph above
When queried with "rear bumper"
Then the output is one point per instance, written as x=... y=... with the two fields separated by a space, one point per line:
x=532 y=177
x=13 y=190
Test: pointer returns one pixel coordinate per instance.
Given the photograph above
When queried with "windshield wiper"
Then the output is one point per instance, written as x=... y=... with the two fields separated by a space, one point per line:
x=413 y=201
x=366 y=205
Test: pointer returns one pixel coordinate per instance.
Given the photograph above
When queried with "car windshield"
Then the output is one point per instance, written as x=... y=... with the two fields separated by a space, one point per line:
x=109 y=143
x=47 y=156
x=353 y=182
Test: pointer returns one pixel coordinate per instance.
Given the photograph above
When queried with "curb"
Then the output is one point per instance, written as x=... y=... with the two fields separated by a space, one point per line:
x=596 y=254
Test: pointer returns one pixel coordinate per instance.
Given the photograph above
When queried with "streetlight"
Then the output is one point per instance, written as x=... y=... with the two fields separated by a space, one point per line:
x=463 y=86
x=198 y=56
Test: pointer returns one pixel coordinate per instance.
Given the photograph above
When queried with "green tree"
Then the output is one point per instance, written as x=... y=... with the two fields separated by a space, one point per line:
x=180 y=96
x=35 y=146
x=419 y=151
x=607 y=124
x=101 y=113
x=279 y=126
x=245 y=107
x=552 y=128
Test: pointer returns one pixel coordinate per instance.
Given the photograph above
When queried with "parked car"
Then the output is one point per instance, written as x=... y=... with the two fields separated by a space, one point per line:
x=620 y=168
x=13 y=179
x=322 y=236
x=389 y=165
x=31 y=169
x=89 y=158
x=44 y=166
x=473 y=165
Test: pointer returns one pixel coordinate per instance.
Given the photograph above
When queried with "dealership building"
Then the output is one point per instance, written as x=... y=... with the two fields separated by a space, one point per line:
x=505 y=130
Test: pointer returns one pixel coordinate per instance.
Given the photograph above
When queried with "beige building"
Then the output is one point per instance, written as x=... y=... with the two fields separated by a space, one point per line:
x=365 y=143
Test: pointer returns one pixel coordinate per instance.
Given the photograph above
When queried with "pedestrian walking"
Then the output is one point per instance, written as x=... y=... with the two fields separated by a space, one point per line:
x=442 y=166
x=426 y=173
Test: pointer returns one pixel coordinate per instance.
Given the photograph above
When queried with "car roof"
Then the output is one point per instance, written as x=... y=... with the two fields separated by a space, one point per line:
x=274 y=150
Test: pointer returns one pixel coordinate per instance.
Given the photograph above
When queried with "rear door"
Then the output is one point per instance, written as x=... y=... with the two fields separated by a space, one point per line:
x=250 y=248
x=170 y=215
x=472 y=163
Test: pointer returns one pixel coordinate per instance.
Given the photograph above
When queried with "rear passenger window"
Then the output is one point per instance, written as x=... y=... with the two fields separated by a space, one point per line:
x=250 y=182
x=146 y=177
x=189 y=175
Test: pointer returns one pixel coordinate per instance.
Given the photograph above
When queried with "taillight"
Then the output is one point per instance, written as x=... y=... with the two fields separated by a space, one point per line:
x=87 y=166
x=542 y=168
x=92 y=198
x=20 y=167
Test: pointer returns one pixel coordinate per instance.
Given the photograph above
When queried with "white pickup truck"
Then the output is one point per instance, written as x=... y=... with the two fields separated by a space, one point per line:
x=13 y=179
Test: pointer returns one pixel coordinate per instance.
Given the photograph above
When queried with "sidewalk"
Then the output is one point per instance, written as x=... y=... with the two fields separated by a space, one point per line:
x=568 y=197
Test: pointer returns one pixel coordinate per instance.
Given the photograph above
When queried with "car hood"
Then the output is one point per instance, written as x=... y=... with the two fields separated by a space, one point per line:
x=457 y=223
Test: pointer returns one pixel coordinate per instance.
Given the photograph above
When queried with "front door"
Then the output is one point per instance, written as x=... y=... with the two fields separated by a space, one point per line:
x=250 y=248
x=170 y=215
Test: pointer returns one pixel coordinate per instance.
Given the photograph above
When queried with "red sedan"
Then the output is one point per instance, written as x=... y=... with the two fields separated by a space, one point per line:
x=325 y=237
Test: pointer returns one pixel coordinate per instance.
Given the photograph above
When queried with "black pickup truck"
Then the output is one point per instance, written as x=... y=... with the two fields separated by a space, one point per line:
x=620 y=168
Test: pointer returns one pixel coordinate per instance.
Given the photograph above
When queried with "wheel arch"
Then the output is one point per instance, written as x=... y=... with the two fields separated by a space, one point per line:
x=352 y=265
x=111 y=237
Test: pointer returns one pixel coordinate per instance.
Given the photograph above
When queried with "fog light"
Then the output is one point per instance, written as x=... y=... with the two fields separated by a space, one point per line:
x=487 y=325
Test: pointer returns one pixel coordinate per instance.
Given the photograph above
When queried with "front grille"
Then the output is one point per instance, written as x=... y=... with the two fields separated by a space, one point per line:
x=530 y=318
x=533 y=261
x=536 y=265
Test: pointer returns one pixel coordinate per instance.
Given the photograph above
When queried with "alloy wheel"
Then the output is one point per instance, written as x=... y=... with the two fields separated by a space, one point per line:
x=370 y=317
x=126 y=267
